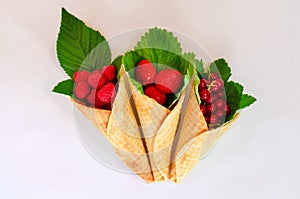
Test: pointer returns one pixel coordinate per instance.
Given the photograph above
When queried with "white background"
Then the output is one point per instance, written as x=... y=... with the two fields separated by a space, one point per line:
x=40 y=152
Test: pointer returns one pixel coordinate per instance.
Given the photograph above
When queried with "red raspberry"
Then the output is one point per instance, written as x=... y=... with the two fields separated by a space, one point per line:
x=169 y=81
x=82 y=89
x=93 y=100
x=145 y=72
x=152 y=92
x=107 y=93
x=109 y=72
x=81 y=76
x=97 y=80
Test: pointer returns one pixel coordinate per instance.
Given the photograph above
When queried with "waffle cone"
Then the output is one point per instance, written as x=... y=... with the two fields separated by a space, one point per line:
x=194 y=150
x=123 y=129
x=98 y=117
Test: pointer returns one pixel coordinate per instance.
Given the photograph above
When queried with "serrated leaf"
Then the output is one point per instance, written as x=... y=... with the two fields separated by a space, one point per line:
x=221 y=66
x=233 y=95
x=157 y=38
x=199 y=67
x=79 y=46
x=246 y=100
x=65 y=87
x=117 y=63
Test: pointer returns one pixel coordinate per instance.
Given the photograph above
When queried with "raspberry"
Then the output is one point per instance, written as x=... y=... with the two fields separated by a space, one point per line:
x=109 y=72
x=152 y=92
x=93 y=100
x=81 y=76
x=107 y=93
x=81 y=90
x=97 y=80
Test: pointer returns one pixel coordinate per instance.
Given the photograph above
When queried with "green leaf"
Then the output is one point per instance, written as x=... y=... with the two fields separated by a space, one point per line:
x=117 y=62
x=79 y=46
x=246 y=100
x=199 y=67
x=65 y=87
x=130 y=61
x=159 y=39
x=233 y=94
x=221 y=66
x=137 y=85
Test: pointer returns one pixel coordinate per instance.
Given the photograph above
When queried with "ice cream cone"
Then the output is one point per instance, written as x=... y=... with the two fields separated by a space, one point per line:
x=124 y=131
x=196 y=149
x=98 y=117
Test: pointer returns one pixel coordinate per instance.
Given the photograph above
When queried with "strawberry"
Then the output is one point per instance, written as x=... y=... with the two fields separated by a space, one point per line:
x=93 y=100
x=81 y=76
x=169 y=81
x=152 y=92
x=97 y=80
x=145 y=72
x=82 y=89
x=109 y=72
x=107 y=93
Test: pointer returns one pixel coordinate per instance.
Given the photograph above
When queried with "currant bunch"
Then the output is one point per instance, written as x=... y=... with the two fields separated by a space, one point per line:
x=213 y=103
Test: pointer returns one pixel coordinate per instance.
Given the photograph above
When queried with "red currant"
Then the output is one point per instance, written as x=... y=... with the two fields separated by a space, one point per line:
x=203 y=109
x=227 y=109
x=220 y=113
x=213 y=76
x=202 y=84
x=204 y=94
x=220 y=103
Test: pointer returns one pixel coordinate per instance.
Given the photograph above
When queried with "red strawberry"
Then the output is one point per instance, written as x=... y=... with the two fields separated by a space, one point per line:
x=169 y=81
x=109 y=72
x=82 y=89
x=152 y=92
x=93 y=100
x=107 y=93
x=81 y=76
x=97 y=80
x=145 y=72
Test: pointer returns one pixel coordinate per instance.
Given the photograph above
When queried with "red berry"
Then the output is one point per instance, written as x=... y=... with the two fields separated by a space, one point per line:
x=220 y=103
x=152 y=92
x=220 y=113
x=109 y=72
x=227 y=109
x=169 y=81
x=202 y=84
x=217 y=85
x=220 y=94
x=82 y=90
x=93 y=100
x=214 y=97
x=97 y=80
x=204 y=94
x=203 y=109
x=107 y=93
x=213 y=76
x=145 y=72
x=81 y=76
x=211 y=108
x=213 y=119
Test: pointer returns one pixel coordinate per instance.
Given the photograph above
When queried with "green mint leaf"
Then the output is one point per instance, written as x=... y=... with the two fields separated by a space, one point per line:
x=221 y=66
x=246 y=100
x=233 y=94
x=79 y=46
x=65 y=87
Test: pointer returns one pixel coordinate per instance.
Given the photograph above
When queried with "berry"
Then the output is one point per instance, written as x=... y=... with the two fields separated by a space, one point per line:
x=204 y=94
x=220 y=113
x=227 y=109
x=152 y=92
x=211 y=108
x=220 y=103
x=81 y=76
x=97 y=80
x=169 y=81
x=203 y=109
x=145 y=72
x=220 y=94
x=82 y=90
x=214 y=97
x=213 y=76
x=93 y=100
x=213 y=119
x=217 y=85
x=202 y=84
x=109 y=72
x=107 y=93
